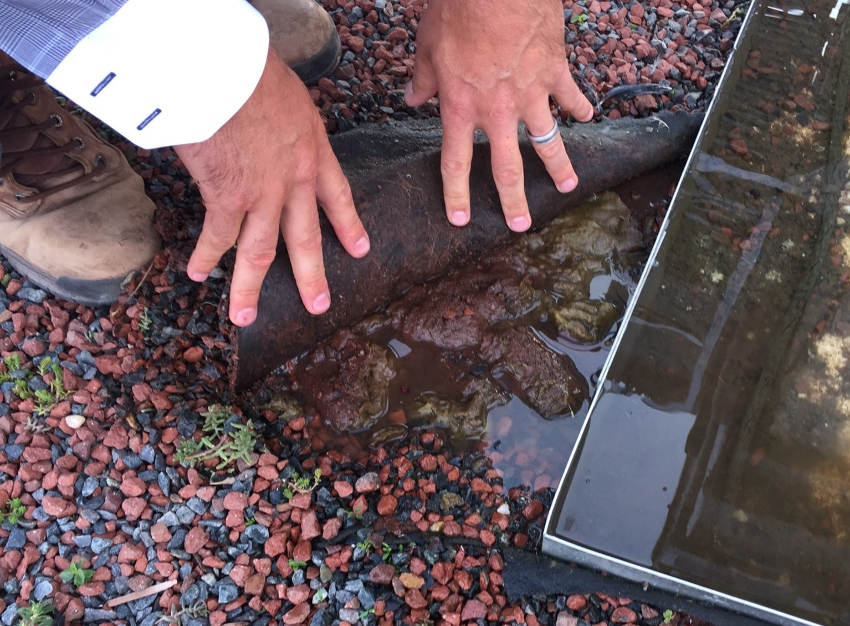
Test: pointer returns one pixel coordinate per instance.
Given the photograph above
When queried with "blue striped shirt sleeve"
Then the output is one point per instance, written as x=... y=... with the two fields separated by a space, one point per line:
x=39 y=34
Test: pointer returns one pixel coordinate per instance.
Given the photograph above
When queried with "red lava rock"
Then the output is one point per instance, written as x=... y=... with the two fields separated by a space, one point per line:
x=195 y=540
x=428 y=463
x=414 y=599
x=647 y=612
x=117 y=438
x=57 y=507
x=331 y=528
x=532 y=510
x=301 y=501
x=310 y=528
x=302 y=551
x=343 y=489
x=298 y=594
x=367 y=483
x=473 y=609
x=276 y=544
x=218 y=618
x=235 y=501
x=133 y=508
x=193 y=354
x=91 y=589
x=512 y=614
x=623 y=615
x=386 y=505
x=240 y=574
x=576 y=603
x=130 y=553
x=255 y=584
x=132 y=486
x=297 y=614
x=32 y=347
x=382 y=574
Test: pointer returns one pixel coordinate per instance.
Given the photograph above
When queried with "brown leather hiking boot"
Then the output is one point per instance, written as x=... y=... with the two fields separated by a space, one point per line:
x=74 y=217
x=304 y=35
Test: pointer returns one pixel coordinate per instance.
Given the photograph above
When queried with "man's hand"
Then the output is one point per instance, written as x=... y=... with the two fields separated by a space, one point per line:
x=495 y=63
x=260 y=175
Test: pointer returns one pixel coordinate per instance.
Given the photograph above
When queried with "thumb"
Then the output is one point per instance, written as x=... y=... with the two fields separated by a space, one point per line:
x=423 y=86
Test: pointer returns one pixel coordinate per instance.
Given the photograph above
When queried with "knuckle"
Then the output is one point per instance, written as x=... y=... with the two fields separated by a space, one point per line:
x=552 y=150
x=341 y=197
x=308 y=241
x=458 y=107
x=259 y=259
x=305 y=174
x=509 y=175
x=452 y=167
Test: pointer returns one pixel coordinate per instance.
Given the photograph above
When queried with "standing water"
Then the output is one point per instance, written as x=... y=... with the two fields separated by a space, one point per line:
x=715 y=461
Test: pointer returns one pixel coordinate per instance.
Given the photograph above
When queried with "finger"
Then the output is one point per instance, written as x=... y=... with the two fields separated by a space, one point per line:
x=571 y=99
x=423 y=86
x=218 y=235
x=334 y=193
x=254 y=255
x=303 y=236
x=553 y=153
x=455 y=165
x=508 y=174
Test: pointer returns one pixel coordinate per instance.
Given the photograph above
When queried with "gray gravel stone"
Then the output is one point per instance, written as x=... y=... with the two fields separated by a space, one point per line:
x=42 y=590
x=32 y=294
x=349 y=615
x=99 y=545
x=99 y=615
x=257 y=533
x=185 y=514
x=17 y=539
x=227 y=591
x=14 y=451
x=89 y=486
x=10 y=614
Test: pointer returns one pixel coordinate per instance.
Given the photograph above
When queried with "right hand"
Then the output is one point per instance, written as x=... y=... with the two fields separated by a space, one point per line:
x=260 y=175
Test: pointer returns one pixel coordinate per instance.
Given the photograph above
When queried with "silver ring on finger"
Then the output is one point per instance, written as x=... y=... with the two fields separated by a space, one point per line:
x=542 y=140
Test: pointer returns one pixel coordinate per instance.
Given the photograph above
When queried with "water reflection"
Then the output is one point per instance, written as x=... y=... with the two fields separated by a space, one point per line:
x=718 y=453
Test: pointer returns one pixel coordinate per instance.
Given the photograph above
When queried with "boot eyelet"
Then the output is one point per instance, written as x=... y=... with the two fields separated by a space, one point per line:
x=32 y=96
x=80 y=141
x=99 y=160
x=58 y=120
x=20 y=196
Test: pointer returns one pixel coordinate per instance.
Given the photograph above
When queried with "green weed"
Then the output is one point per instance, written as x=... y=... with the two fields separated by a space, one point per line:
x=198 y=610
x=145 y=322
x=76 y=575
x=36 y=614
x=13 y=511
x=668 y=616
x=302 y=484
x=237 y=441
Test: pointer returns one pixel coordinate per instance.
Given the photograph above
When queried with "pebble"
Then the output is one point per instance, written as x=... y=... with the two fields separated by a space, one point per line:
x=367 y=483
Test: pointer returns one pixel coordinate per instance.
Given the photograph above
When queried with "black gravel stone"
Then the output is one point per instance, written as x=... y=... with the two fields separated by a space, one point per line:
x=17 y=539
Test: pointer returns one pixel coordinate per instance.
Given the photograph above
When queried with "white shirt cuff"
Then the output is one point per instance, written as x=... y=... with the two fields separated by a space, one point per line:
x=167 y=72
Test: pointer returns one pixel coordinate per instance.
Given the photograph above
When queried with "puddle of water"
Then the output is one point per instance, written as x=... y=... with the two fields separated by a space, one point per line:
x=715 y=461
x=526 y=448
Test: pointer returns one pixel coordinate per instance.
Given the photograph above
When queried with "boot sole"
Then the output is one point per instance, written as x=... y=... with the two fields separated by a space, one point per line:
x=323 y=63
x=87 y=292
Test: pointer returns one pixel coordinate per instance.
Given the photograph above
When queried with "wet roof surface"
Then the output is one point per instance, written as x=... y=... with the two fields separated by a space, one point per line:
x=718 y=451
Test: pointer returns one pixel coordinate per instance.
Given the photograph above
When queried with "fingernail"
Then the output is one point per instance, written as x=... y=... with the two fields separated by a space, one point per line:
x=322 y=303
x=245 y=317
x=362 y=246
x=198 y=276
x=568 y=185
x=520 y=224
x=460 y=218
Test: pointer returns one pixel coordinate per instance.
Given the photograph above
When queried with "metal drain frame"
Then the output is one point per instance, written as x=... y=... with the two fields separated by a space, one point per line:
x=564 y=550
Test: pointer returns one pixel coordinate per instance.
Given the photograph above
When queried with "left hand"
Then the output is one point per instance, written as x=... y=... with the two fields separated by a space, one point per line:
x=495 y=63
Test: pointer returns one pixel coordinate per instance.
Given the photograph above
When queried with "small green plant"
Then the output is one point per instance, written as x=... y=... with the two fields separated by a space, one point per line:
x=22 y=390
x=36 y=614
x=219 y=440
x=44 y=366
x=7 y=278
x=197 y=610
x=365 y=546
x=250 y=522
x=386 y=551
x=367 y=613
x=145 y=322
x=297 y=565
x=34 y=426
x=320 y=596
x=76 y=575
x=579 y=19
x=12 y=511
x=668 y=616
x=46 y=399
x=302 y=484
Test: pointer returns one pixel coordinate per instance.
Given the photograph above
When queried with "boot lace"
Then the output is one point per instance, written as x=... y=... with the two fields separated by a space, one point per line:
x=15 y=78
